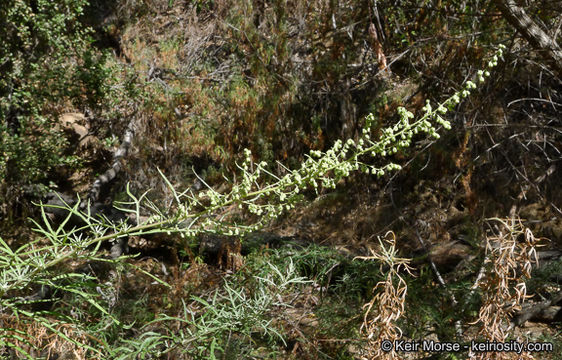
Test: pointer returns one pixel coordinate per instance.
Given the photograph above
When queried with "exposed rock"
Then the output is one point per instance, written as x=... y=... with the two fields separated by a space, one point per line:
x=78 y=128
x=448 y=255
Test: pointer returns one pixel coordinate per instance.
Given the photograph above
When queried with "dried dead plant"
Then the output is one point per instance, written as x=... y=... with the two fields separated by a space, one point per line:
x=386 y=307
x=510 y=252
x=32 y=340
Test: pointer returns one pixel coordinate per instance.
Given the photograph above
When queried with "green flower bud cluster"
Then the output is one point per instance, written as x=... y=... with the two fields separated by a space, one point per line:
x=266 y=200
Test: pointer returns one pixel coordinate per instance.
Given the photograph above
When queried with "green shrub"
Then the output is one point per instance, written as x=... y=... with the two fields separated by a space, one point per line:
x=46 y=62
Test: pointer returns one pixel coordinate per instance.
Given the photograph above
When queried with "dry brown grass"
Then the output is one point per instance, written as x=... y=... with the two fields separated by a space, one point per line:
x=34 y=339
x=510 y=253
x=387 y=306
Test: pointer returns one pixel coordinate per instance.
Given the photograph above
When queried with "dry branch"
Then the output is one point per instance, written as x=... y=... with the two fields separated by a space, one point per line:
x=536 y=36
x=112 y=172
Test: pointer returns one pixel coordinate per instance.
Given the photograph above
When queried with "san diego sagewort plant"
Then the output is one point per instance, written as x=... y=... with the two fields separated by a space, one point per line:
x=193 y=213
